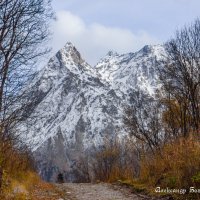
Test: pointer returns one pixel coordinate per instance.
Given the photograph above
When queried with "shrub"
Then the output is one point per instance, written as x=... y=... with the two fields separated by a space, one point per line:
x=115 y=160
x=176 y=165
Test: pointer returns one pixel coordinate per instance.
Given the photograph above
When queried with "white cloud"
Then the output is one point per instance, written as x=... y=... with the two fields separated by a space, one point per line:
x=95 y=40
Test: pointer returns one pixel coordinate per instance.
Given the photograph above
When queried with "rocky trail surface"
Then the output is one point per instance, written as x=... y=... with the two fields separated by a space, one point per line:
x=101 y=191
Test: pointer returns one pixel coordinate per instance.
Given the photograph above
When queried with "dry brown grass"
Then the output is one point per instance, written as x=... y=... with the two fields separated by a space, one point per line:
x=177 y=165
x=29 y=186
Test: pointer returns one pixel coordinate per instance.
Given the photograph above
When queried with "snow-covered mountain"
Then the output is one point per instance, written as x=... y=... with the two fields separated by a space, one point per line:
x=76 y=106
x=135 y=71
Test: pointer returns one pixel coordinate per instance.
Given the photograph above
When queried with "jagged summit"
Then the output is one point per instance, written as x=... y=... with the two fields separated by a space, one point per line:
x=147 y=49
x=70 y=53
x=156 y=50
x=69 y=44
x=112 y=53
x=68 y=59
x=70 y=48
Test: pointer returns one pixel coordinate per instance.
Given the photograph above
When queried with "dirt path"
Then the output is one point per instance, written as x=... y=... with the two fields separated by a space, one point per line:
x=101 y=191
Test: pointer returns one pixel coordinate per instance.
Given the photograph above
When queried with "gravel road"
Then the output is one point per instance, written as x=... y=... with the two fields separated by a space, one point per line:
x=101 y=191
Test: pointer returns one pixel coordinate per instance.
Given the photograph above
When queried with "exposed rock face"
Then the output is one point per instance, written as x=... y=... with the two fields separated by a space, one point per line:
x=76 y=106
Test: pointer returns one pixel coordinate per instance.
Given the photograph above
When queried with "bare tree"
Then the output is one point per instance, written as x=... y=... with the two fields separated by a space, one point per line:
x=143 y=121
x=23 y=39
x=181 y=75
x=115 y=159
x=23 y=32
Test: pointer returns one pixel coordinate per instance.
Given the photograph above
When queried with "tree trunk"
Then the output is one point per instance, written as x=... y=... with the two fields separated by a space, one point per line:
x=1 y=178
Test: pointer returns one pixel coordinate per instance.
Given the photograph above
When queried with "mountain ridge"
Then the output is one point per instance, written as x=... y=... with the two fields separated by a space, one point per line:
x=79 y=106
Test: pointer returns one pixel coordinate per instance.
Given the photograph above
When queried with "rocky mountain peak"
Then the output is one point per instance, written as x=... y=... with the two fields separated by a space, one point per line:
x=153 y=50
x=70 y=53
x=112 y=53
x=147 y=49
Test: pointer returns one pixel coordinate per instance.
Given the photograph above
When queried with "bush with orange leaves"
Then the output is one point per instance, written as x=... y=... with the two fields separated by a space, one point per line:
x=177 y=165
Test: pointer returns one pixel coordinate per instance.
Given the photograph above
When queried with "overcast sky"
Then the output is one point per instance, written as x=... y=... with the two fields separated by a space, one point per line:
x=97 y=26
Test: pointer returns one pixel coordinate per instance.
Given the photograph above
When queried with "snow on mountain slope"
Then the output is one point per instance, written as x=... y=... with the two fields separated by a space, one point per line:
x=74 y=110
x=136 y=71
x=77 y=106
